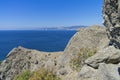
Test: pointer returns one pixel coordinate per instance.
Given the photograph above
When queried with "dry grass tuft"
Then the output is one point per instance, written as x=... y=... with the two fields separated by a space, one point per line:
x=78 y=60
x=41 y=74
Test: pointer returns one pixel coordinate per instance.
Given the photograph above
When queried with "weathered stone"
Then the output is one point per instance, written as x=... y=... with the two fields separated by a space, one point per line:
x=111 y=15
x=91 y=37
x=63 y=71
x=20 y=59
x=107 y=55
x=104 y=72
x=109 y=72
x=87 y=73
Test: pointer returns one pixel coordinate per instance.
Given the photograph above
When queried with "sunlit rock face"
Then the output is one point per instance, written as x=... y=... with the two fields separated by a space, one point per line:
x=111 y=15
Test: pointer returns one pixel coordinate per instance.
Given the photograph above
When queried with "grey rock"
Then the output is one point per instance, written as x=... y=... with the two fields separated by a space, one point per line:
x=20 y=59
x=104 y=65
x=111 y=15
x=91 y=37
x=87 y=73
x=107 y=55
x=104 y=72
x=109 y=72
x=63 y=71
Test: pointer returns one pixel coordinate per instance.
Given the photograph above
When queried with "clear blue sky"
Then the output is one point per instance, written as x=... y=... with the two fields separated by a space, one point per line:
x=28 y=14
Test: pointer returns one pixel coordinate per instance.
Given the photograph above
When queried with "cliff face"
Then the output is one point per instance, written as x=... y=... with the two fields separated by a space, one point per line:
x=91 y=37
x=85 y=42
x=105 y=64
x=111 y=15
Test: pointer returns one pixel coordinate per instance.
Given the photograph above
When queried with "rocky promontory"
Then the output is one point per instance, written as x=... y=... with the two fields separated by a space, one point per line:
x=64 y=64
x=20 y=59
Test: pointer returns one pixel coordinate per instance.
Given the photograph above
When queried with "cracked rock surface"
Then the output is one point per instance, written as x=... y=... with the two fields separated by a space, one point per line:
x=111 y=15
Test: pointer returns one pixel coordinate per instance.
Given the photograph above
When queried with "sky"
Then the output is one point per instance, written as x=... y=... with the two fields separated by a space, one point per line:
x=34 y=14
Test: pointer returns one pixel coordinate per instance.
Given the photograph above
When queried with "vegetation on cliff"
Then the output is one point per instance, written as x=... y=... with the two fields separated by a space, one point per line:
x=23 y=76
x=78 y=60
x=0 y=62
x=41 y=74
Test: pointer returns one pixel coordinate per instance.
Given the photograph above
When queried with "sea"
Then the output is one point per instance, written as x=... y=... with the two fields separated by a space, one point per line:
x=42 y=40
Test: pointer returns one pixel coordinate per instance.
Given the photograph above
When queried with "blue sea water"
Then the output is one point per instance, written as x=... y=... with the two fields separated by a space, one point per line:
x=49 y=41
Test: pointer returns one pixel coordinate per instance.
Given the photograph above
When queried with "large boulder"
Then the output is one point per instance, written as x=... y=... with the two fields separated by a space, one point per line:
x=107 y=55
x=104 y=65
x=111 y=15
x=104 y=72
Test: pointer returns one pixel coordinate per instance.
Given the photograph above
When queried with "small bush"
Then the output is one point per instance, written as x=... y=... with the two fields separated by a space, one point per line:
x=43 y=74
x=78 y=60
x=0 y=62
x=25 y=75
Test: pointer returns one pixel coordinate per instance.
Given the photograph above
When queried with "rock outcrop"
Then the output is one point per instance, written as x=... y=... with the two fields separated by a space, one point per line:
x=107 y=55
x=104 y=65
x=20 y=59
x=111 y=15
x=90 y=38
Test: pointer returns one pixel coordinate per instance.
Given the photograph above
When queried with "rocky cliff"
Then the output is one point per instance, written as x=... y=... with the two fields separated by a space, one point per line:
x=111 y=15
x=85 y=43
x=105 y=64
x=20 y=59
x=89 y=39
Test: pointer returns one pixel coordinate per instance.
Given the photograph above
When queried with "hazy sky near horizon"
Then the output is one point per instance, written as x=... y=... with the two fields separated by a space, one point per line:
x=30 y=14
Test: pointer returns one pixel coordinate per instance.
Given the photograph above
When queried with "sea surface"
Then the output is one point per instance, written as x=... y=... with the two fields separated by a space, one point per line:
x=42 y=40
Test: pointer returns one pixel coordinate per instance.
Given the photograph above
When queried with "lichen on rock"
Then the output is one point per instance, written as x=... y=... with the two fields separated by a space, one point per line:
x=111 y=15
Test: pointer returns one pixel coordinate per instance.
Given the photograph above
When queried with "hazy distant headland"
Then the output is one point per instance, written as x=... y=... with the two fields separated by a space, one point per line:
x=62 y=28
x=48 y=28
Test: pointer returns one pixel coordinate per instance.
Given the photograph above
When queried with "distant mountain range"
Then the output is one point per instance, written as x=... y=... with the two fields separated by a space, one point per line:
x=62 y=28
x=49 y=28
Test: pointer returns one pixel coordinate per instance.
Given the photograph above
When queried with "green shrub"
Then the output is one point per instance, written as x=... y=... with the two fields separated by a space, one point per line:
x=78 y=60
x=43 y=74
x=0 y=62
x=25 y=75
